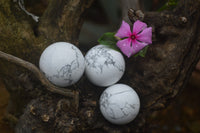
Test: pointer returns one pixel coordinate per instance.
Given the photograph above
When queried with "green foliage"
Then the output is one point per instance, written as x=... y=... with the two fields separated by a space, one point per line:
x=142 y=52
x=169 y=5
x=109 y=39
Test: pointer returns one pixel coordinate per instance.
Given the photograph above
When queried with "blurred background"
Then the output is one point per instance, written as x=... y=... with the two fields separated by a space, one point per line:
x=181 y=116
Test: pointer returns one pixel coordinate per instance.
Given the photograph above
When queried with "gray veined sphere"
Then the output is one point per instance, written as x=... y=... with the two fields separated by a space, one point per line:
x=104 y=66
x=119 y=104
x=62 y=63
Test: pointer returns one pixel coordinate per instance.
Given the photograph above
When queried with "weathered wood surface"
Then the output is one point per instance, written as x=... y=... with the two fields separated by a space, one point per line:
x=157 y=78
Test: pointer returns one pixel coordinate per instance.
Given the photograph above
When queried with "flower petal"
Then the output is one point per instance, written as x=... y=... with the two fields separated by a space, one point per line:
x=125 y=46
x=137 y=46
x=124 y=30
x=138 y=26
x=145 y=35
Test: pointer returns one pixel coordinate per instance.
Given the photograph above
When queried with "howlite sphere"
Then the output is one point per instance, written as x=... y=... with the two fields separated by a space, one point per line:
x=104 y=66
x=62 y=63
x=119 y=104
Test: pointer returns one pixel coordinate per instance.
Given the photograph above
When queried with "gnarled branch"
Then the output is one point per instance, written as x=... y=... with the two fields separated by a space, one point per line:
x=63 y=19
x=40 y=76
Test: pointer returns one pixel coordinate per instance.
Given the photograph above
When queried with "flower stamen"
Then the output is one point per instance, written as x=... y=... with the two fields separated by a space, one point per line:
x=132 y=37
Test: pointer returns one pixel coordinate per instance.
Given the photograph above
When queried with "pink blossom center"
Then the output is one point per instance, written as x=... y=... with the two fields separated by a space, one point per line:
x=132 y=37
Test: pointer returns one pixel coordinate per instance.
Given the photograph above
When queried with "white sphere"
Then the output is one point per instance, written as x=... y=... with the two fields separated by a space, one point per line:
x=104 y=66
x=119 y=104
x=62 y=63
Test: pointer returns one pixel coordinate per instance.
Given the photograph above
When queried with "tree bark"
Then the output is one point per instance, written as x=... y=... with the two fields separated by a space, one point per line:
x=26 y=39
x=127 y=4
x=157 y=78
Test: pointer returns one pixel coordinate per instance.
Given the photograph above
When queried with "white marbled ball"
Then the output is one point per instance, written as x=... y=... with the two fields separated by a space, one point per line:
x=104 y=66
x=62 y=63
x=119 y=104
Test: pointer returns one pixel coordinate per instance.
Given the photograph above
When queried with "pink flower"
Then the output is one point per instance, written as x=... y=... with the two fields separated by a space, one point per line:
x=133 y=42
